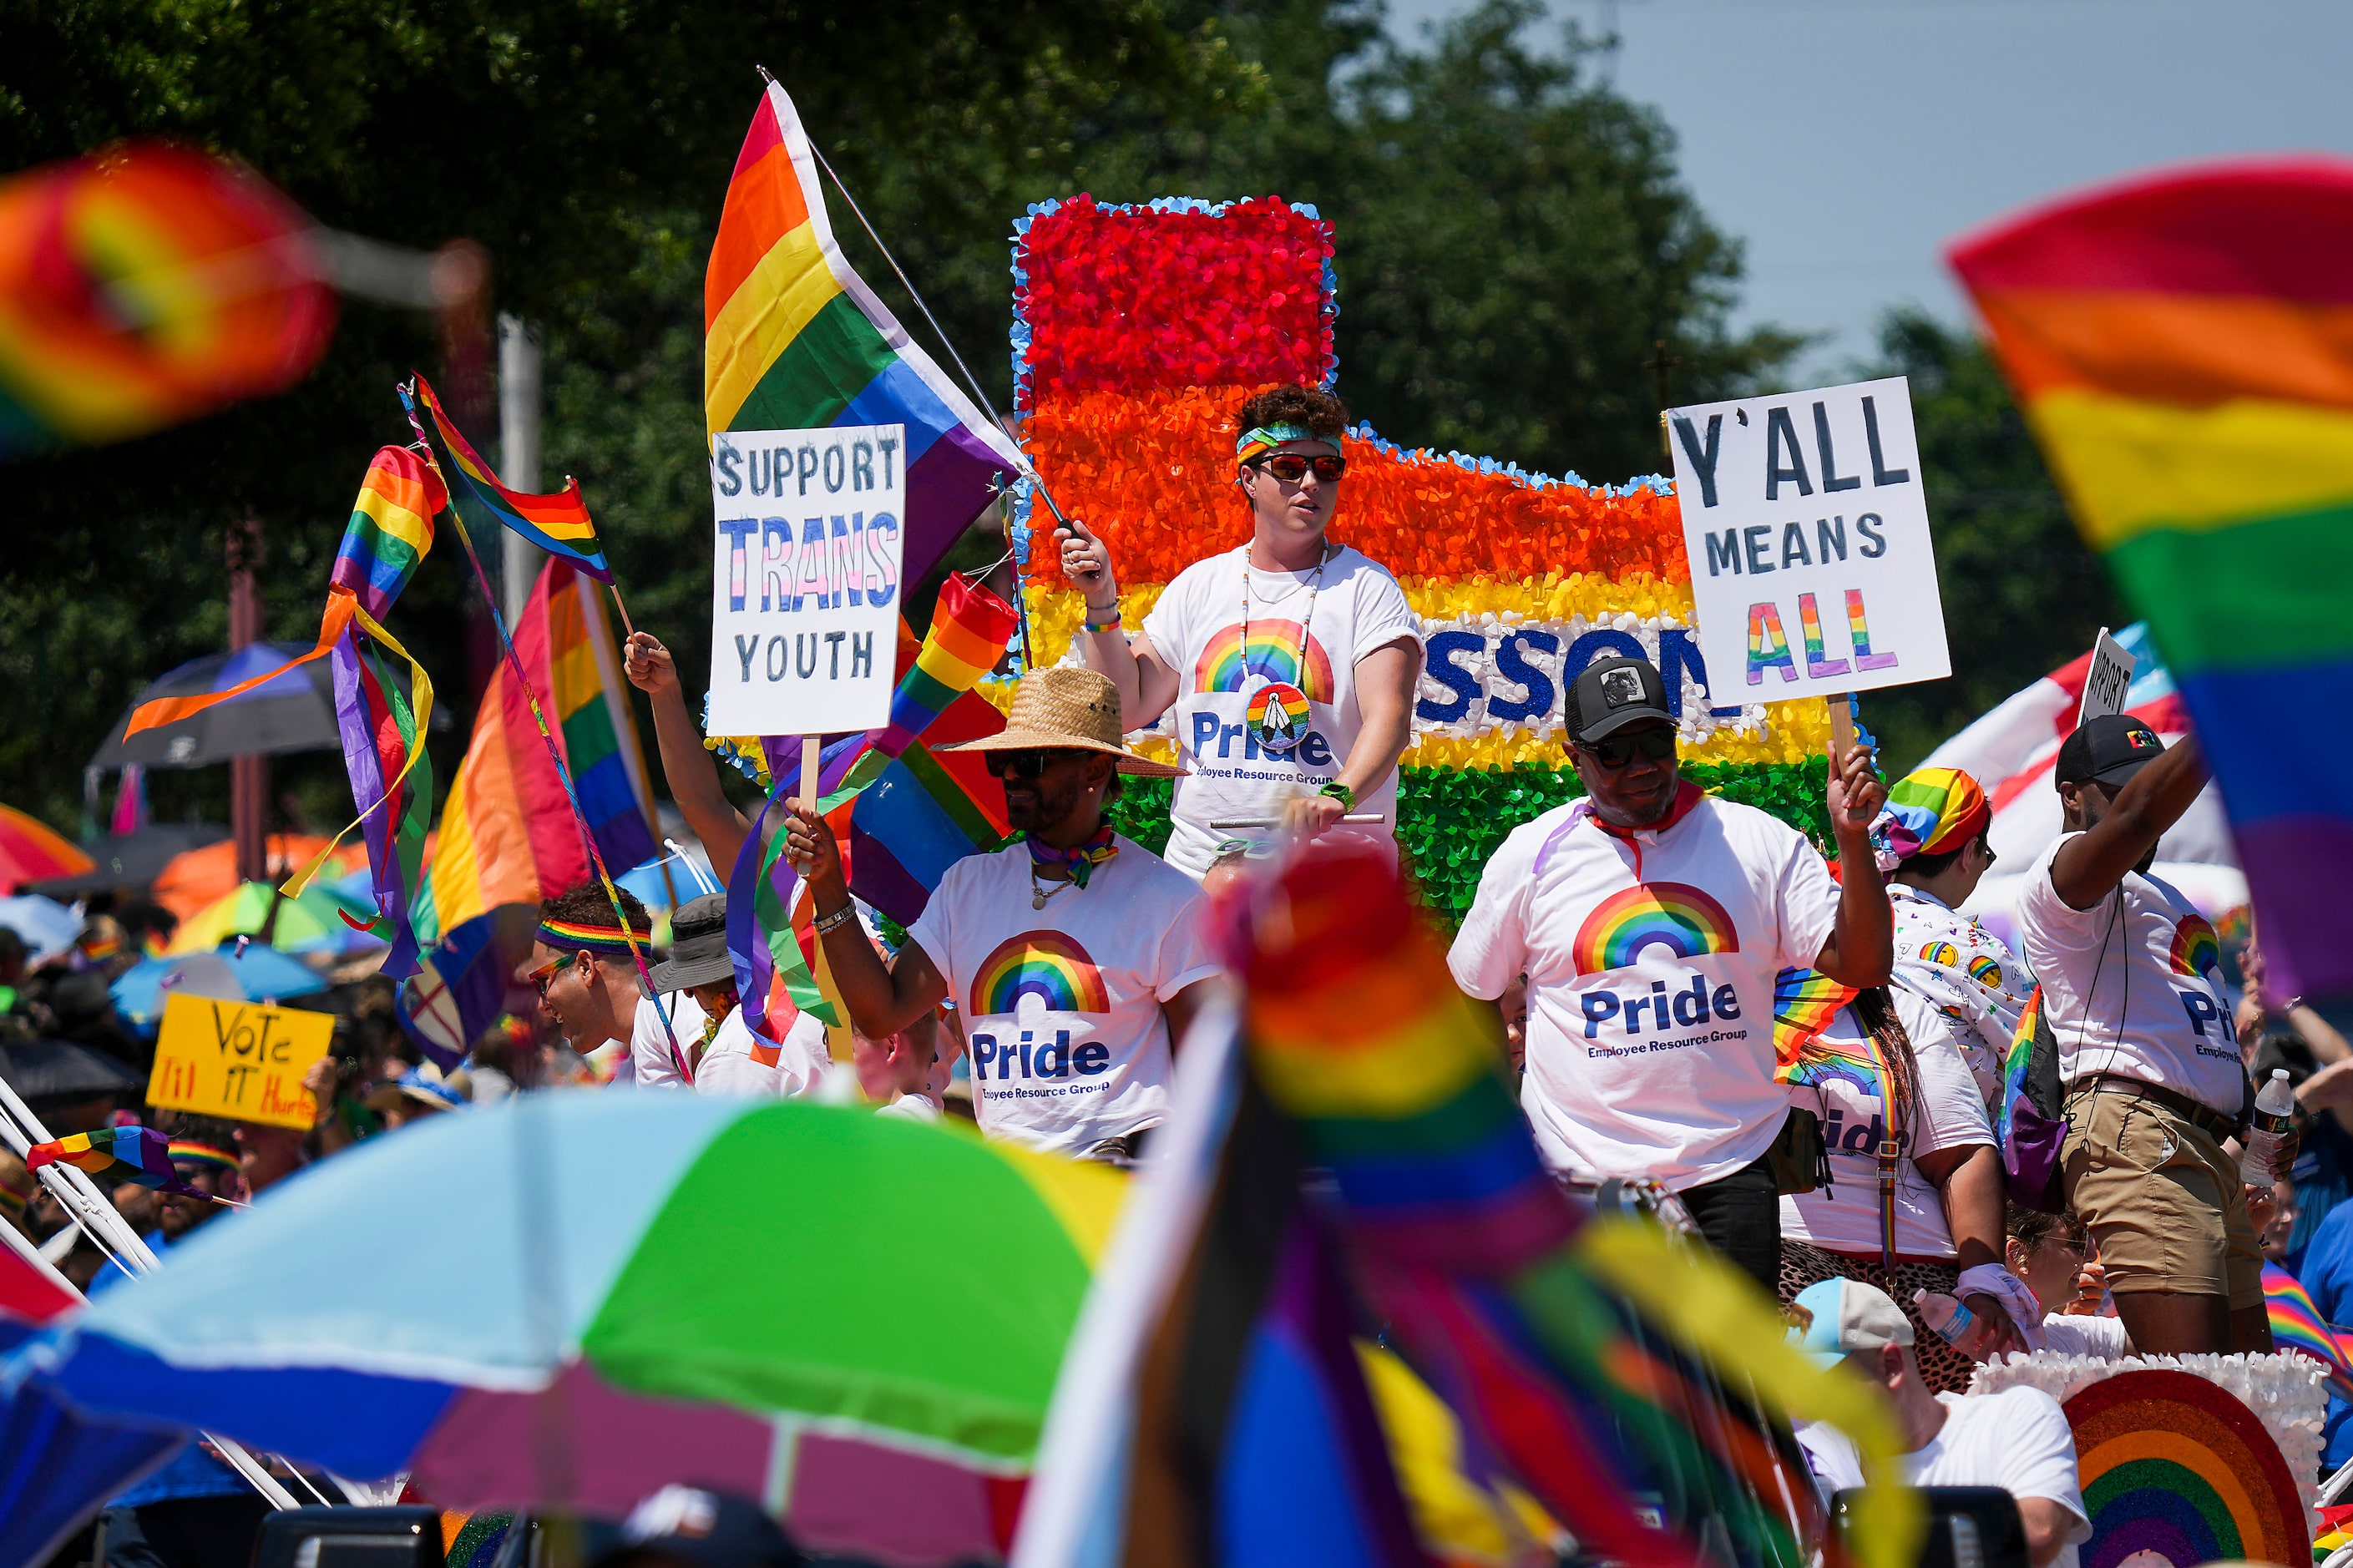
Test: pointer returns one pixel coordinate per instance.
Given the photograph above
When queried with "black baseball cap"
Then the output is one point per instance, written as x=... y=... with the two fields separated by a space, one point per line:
x=1614 y=692
x=697 y=945
x=703 y=1529
x=2107 y=750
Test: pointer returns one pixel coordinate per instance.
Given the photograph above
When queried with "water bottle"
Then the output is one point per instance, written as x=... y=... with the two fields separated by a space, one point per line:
x=2275 y=1123
x=1944 y=1313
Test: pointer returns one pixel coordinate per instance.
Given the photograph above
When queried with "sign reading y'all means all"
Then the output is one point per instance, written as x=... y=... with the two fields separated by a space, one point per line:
x=240 y=1061
x=1808 y=528
x=805 y=595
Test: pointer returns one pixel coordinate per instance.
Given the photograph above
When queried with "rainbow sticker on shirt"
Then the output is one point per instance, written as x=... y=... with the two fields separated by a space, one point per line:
x=1226 y=666
x=1804 y=1002
x=1041 y=963
x=1986 y=972
x=1674 y=915
x=1943 y=953
x=2196 y=950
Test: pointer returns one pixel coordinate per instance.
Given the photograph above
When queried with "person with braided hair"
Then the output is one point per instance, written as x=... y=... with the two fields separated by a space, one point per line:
x=1913 y=1196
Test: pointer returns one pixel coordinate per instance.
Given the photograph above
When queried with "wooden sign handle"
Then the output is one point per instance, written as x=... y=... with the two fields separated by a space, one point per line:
x=808 y=772
x=1842 y=729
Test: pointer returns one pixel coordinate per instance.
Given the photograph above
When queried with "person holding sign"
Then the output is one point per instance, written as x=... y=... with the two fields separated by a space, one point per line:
x=1650 y=920
x=1290 y=663
x=2132 y=989
x=1076 y=957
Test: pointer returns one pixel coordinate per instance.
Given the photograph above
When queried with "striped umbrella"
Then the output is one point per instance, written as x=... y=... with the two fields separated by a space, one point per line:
x=855 y=1318
x=323 y=918
x=30 y=851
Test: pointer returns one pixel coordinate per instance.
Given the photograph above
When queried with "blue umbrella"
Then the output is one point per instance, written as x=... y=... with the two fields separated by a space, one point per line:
x=257 y=973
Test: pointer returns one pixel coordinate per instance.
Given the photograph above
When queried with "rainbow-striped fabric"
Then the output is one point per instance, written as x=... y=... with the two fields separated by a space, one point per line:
x=507 y=836
x=2180 y=344
x=391 y=528
x=794 y=340
x=1804 y=1002
x=382 y=732
x=2297 y=1325
x=139 y=1154
x=147 y=284
x=557 y=523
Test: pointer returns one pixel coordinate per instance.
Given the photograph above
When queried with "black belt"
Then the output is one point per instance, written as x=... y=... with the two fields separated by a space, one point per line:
x=2201 y=1115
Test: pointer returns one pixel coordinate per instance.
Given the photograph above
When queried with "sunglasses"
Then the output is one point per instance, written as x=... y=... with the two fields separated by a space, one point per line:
x=1022 y=765
x=1291 y=467
x=547 y=972
x=1616 y=751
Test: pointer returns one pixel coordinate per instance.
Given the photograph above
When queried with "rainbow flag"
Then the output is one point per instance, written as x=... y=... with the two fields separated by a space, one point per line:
x=2180 y=344
x=557 y=523
x=794 y=340
x=507 y=836
x=1804 y=1002
x=2297 y=1325
x=391 y=529
x=133 y=1153
x=383 y=738
x=146 y=284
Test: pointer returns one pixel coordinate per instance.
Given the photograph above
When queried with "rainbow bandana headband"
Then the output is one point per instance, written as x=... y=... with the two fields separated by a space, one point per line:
x=609 y=940
x=1264 y=438
x=1932 y=812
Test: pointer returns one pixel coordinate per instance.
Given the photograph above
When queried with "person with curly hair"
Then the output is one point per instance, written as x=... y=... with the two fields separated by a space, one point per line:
x=1288 y=665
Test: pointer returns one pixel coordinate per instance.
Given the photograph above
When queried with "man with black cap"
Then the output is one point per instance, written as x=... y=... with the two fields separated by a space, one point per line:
x=2147 y=1050
x=698 y=980
x=1650 y=920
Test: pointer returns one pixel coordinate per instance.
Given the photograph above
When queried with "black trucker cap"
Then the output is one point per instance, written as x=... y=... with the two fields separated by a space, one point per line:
x=1614 y=692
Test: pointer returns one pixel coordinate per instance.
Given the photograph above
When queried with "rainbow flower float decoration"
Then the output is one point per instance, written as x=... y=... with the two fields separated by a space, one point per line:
x=1138 y=330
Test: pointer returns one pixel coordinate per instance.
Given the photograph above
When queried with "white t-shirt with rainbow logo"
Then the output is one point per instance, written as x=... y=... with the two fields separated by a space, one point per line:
x=1306 y=634
x=1650 y=1034
x=1061 y=1007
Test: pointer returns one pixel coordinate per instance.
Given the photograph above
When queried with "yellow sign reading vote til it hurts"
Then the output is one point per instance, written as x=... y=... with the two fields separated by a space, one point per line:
x=240 y=1061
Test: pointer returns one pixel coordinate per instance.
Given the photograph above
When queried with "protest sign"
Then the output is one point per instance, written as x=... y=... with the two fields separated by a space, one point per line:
x=805 y=593
x=1808 y=532
x=240 y=1061
x=2105 y=683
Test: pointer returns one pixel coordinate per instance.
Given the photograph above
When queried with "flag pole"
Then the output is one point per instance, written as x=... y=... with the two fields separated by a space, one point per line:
x=563 y=773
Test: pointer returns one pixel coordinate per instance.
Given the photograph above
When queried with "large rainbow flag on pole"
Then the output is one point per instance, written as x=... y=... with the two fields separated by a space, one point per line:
x=2183 y=345
x=795 y=341
x=507 y=835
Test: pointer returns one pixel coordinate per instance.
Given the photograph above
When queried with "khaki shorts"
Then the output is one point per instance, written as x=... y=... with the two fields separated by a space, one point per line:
x=2161 y=1198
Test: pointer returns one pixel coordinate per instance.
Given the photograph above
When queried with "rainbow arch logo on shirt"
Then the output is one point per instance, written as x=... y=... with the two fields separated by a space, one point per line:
x=2195 y=948
x=1674 y=915
x=1046 y=964
x=1274 y=652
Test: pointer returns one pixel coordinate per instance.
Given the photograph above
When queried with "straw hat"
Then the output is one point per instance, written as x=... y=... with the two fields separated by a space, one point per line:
x=1066 y=708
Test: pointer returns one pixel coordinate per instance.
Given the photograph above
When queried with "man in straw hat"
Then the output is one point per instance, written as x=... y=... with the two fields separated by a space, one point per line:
x=1075 y=956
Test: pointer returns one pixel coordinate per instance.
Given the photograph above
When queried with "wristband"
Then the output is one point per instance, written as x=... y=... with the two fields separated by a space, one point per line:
x=1109 y=621
x=1341 y=792
x=841 y=917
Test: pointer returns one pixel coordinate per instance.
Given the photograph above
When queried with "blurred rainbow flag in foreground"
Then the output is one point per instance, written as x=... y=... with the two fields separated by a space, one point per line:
x=2297 y=1325
x=2183 y=344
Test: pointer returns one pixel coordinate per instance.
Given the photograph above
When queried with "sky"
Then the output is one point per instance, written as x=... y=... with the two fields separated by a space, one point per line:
x=1846 y=141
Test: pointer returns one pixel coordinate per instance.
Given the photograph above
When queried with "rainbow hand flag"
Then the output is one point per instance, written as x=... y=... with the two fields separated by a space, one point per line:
x=1804 y=1002
x=2297 y=1325
x=795 y=341
x=2181 y=345
x=134 y=1153
x=557 y=523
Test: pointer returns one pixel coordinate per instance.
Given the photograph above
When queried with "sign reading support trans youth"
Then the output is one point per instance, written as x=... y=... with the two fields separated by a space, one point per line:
x=1807 y=530
x=805 y=595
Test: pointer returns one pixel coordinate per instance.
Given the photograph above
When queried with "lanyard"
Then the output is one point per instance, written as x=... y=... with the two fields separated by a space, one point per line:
x=1299 y=655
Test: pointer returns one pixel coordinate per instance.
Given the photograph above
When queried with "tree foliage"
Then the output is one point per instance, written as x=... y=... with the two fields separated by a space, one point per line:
x=1512 y=243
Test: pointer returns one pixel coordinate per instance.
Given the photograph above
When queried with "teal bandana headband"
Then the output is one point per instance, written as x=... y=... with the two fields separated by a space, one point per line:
x=1265 y=438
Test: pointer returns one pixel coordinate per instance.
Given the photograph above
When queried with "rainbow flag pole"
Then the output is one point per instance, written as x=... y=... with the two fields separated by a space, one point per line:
x=555 y=754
